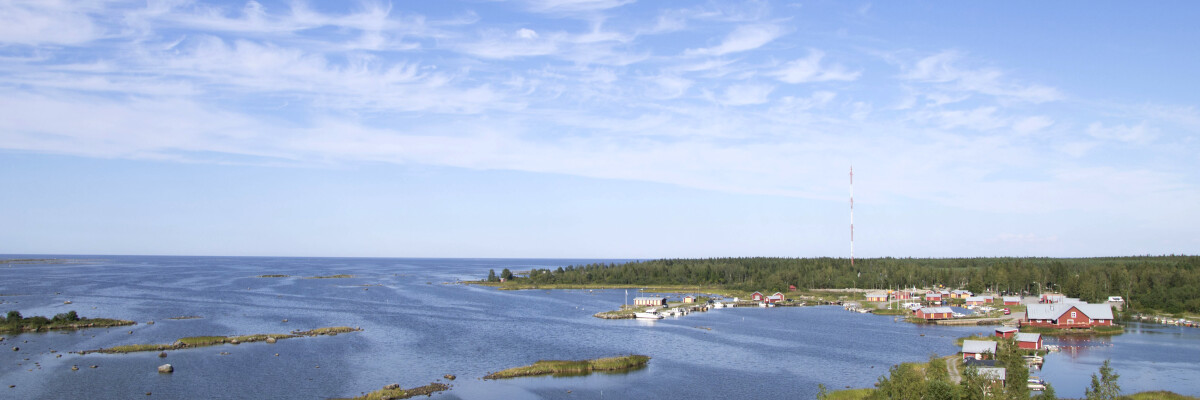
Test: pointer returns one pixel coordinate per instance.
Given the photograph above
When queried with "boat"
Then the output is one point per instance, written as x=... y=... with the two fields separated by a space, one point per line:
x=649 y=314
x=1036 y=384
x=1033 y=359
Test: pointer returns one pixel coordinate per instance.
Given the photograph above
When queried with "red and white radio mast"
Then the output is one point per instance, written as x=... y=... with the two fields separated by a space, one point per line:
x=851 y=215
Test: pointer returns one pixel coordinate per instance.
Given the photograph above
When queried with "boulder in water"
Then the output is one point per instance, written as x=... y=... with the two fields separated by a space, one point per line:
x=449 y=376
x=166 y=369
x=393 y=386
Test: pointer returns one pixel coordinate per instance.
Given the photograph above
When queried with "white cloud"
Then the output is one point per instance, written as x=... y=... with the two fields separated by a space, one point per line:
x=809 y=69
x=943 y=68
x=1139 y=133
x=746 y=94
x=573 y=6
x=1032 y=124
x=744 y=38
x=46 y=22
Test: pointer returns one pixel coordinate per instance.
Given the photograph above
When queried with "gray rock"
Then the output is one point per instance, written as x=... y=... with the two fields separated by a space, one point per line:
x=449 y=376
x=166 y=369
x=270 y=340
x=162 y=354
x=393 y=386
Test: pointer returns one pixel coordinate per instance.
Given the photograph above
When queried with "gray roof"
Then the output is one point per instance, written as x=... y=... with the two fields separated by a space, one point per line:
x=1028 y=337
x=1055 y=311
x=1011 y=298
x=877 y=294
x=1006 y=329
x=649 y=298
x=979 y=346
x=975 y=298
x=995 y=373
x=927 y=295
x=931 y=310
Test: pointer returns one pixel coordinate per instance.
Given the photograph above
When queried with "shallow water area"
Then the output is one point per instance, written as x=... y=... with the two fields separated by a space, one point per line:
x=419 y=325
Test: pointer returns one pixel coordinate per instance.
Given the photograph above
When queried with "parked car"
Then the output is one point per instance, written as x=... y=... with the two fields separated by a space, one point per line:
x=1006 y=311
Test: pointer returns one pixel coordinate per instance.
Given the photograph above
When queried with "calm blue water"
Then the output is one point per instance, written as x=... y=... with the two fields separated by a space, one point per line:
x=418 y=326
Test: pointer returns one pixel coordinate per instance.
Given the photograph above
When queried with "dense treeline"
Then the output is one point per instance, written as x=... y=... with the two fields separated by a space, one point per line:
x=1165 y=283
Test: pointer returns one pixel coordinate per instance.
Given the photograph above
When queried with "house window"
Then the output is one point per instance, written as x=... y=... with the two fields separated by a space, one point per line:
x=1072 y=314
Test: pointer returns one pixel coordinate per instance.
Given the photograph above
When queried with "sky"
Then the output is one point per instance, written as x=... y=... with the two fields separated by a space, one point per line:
x=599 y=128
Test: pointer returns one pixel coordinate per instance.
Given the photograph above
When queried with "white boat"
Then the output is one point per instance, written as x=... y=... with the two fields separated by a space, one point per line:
x=1033 y=359
x=1036 y=384
x=762 y=304
x=649 y=314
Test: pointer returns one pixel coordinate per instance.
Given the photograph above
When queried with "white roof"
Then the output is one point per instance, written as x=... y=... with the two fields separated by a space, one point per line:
x=1115 y=298
x=1011 y=298
x=995 y=373
x=1006 y=329
x=927 y=295
x=979 y=346
x=975 y=298
x=1054 y=311
x=649 y=298
x=877 y=294
x=1028 y=337
x=931 y=310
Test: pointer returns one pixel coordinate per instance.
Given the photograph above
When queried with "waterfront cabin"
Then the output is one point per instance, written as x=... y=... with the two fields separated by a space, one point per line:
x=1006 y=332
x=689 y=299
x=1031 y=341
x=775 y=298
x=960 y=294
x=933 y=298
x=934 y=313
x=757 y=296
x=978 y=349
x=975 y=301
x=1012 y=300
x=877 y=296
x=1068 y=315
x=650 y=301
x=988 y=299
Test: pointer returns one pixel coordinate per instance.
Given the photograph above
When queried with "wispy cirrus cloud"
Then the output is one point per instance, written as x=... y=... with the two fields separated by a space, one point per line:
x=742 y=38
x=809 y=69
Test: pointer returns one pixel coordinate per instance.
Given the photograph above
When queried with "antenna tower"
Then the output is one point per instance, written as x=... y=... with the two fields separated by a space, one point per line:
x=851 y=215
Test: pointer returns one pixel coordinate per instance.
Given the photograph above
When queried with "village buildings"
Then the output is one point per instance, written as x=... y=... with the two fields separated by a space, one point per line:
x=1030 y=341
x=934 y=313
x=650 y=301
x=978 y=349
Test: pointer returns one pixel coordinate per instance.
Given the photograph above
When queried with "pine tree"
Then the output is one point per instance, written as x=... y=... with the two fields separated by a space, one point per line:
x=1105 y=386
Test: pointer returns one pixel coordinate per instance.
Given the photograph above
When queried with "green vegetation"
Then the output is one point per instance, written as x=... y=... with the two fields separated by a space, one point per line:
x=338 y=276
x=1104 y=387
x=891 y=311
x=1169 y=284
x=396 y=392
x=1158 y=395
x=14 y=322
x=561 y=367
x=273 y=276
x=203 y=341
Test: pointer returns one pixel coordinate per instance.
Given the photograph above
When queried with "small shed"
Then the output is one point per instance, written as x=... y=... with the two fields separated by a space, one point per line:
x=775 y=298
x=689 y=299
x=995 y=375
x=1006 y=332
x=1012 y=300
x=978 y=349
x=975 y=301
x=877 y=296
x=1031 y=341
x=756 y=296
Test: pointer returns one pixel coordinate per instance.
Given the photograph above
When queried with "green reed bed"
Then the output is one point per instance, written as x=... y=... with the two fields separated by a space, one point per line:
x=566 y=367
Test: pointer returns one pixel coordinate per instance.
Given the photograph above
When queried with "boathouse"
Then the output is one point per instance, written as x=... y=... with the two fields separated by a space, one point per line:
x=975 y=301
x=877 y=296
x=1031 y=341
x=650 y=301
x=1068 y=315
x=933 y=298
x=1012 y=300
x=960 y=294
x=775 y=298
x=1006 y=332
x=978 y=349
x=689 y=299
x=934 y=313
x=757 y=296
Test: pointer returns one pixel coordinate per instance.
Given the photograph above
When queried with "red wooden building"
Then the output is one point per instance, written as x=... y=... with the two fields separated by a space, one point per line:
x=1012 y=301
x=1006 y=332
x=932 y=313
x=1068 y=315
x=1031 y=341
x=757 y=296
x=775 y=298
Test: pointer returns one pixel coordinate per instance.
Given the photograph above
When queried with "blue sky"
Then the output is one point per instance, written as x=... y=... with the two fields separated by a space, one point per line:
x=598 y=128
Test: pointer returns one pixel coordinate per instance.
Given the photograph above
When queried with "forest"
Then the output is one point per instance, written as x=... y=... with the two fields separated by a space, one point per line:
x=1153 y=283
